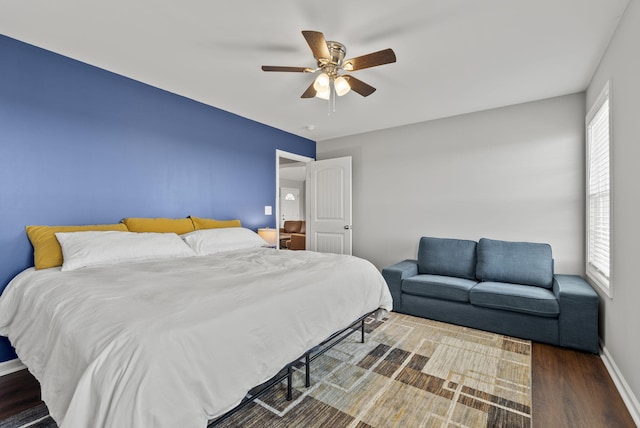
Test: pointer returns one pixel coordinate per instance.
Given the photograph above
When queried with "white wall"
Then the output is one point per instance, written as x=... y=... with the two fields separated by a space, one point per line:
x=620 y=317
x=514 y=173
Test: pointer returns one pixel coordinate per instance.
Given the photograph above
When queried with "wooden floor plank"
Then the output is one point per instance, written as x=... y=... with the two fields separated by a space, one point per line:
x=574 y=389
x=19 y=391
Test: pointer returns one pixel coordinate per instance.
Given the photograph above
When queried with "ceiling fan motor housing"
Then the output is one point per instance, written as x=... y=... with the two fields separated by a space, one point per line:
x=337 y=51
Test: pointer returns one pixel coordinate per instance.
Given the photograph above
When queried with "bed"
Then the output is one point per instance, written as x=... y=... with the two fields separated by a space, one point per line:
x=178 y=341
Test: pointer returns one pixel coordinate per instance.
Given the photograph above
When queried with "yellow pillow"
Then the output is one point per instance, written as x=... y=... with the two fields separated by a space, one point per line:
x=46 y=248
x=160 y=225
x=209 y=223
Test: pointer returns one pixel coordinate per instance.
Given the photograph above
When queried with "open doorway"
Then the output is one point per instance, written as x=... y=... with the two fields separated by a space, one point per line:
x=291 y=197
x=290 y=189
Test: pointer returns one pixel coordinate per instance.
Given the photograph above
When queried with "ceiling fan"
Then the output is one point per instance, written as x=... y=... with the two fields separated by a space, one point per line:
x=330 y=59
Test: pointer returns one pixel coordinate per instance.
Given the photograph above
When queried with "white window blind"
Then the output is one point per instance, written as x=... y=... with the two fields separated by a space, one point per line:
x=598 y=192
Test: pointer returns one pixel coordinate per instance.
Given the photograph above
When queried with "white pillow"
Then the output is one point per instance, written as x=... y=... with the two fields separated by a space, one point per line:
x=211 y=241
x=91 y=248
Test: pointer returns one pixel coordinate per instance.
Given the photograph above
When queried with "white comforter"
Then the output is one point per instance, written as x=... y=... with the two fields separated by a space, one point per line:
x=175 y=343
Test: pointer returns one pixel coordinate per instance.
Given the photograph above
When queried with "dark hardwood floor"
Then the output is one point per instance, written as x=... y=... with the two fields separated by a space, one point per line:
x=574 y=389
x=19 y=391
x=570 y=389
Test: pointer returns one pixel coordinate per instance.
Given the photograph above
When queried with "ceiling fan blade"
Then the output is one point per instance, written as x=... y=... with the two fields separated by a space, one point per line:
x=374 y=59
x=359 y=86
x=310 y=92
x=318 y=44
x=289 y=69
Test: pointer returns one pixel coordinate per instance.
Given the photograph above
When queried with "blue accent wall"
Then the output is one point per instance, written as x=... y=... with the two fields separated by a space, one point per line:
x=80 y=145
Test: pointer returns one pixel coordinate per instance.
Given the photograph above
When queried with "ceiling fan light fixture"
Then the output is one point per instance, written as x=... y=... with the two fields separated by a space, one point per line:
x=322 y=82
x=329 y=57
x=341 y=85
x=324 y=93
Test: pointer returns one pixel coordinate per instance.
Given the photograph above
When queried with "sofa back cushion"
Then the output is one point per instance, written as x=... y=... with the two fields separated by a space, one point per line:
x=524 y=263
x=447 y=257
x=291 y=226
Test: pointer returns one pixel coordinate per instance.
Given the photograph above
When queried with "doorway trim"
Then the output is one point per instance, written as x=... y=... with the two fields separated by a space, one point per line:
x=290 y=156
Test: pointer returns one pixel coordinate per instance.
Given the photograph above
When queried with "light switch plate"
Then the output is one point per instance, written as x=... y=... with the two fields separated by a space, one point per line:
x=267 y=210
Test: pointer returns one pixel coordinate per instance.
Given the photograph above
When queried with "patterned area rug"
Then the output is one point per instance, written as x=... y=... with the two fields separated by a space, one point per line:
x=411 y=372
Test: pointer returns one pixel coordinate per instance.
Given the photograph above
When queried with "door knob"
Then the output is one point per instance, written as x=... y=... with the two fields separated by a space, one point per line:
x=347 y=227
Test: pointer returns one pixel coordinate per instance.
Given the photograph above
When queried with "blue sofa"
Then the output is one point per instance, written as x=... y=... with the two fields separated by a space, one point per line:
x=499 y=286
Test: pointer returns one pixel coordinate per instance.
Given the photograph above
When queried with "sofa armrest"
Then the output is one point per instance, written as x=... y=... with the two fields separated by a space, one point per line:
x=394 y=275
x=297 y=242
x=578 y=320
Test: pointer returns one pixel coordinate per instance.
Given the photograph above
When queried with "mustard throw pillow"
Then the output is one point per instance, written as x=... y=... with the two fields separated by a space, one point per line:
x=159 y=225
x=209 y=223
x=46 y=248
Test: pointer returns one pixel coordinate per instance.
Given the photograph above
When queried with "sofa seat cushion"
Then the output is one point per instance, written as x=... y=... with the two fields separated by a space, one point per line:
x=524 y=263
x=447 y=257
x=515 y=297
x=439 y=287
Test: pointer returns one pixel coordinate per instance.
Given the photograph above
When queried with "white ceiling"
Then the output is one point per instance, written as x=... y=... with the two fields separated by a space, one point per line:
x=454 y=56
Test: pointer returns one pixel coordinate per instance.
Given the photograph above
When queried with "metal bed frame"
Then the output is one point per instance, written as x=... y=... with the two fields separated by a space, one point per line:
x=287 y=371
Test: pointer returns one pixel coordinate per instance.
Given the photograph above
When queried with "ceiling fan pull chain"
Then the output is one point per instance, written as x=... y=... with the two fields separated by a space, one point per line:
x=333 y=96
x=331 y=101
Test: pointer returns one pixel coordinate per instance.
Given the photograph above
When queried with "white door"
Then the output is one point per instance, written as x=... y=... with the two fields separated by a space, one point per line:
x=329 y=205
x=289 y=204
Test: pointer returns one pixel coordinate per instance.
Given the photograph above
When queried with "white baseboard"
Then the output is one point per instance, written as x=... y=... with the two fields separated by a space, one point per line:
x=630 y=400
x=11 y=366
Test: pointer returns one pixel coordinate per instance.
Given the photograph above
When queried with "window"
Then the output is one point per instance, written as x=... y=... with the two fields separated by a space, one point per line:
x=598 y=207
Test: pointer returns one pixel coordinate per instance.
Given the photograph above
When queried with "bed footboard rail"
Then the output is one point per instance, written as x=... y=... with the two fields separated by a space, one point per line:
x=332 y=341
x=287 y=371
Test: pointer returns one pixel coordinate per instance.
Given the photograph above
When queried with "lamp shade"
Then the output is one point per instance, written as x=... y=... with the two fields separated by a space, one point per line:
x=341 y=85
x=324 y=93
x=269 y=235
x=322 y=82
